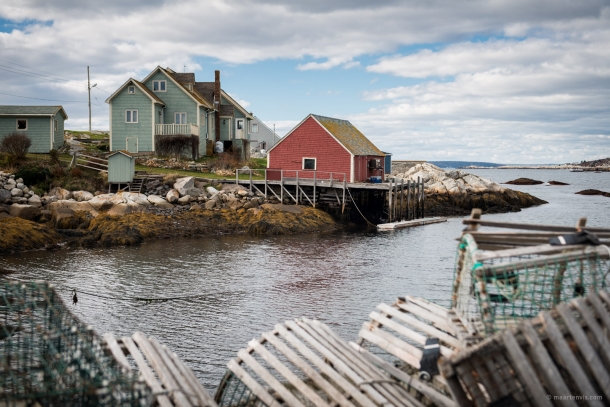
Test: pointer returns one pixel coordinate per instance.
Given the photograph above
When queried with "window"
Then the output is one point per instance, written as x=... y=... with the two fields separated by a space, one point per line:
x=55 y=125
x=131 y=90
x=131 y=116
x=180 y=118
x=254 y=128
x=158 y=86
x=240 y=124
x=22 y=124
x=309 y=163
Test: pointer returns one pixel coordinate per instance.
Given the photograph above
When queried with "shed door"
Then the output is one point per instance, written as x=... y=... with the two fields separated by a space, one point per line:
x=132 y=144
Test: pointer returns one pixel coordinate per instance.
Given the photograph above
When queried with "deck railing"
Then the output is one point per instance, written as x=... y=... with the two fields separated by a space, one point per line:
x=176 y=129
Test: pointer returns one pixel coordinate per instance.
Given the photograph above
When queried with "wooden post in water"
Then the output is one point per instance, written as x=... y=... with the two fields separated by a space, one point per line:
x=423 y=199
x=314 y=189
x=343 y=202
x=395 y=200
x=390 y=201
x=402 y=193
x=408 y=199
x=265 y=184
x=282 y=186
x=417 y=201
x=297 y=190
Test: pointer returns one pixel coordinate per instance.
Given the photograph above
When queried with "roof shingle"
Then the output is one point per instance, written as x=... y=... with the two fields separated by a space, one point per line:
x=29 y=110
x=349 y=136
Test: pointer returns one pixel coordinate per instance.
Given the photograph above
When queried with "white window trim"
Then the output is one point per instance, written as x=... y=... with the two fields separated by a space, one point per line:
x=17 y=125
x=131 y=90
x=315 y=163
x=159 y=82
x=185 y=117
x=55 y=125
x=252 y=128
x=137 y=114
x=243 y=122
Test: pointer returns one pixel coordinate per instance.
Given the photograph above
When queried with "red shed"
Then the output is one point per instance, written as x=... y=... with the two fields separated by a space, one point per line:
x=326 y=145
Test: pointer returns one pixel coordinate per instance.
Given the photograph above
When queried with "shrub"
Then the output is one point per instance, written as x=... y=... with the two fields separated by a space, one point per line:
x=176 y=146
x=54 y=157
x=33 y=174
x=58 y=171
x=16 y=146
x=76 y=172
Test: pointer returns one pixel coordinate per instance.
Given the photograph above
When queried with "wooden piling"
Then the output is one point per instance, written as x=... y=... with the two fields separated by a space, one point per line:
x=314 y=189
x=402 y=192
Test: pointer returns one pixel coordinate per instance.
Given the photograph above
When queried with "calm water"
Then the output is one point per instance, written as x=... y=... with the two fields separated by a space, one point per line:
x=245 y=285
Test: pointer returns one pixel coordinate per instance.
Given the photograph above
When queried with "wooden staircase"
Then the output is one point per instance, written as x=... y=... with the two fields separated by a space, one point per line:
x=138 y=181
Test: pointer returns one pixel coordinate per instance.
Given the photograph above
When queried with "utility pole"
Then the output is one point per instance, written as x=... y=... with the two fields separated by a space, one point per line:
x=89 y=90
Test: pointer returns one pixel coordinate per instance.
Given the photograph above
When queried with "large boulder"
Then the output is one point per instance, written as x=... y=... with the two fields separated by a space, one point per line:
x=64 y=218
x=182 y=185
x=123 y=209
x=160 y=202
x=5 y=195
x=105 y=201
x=16 y=192
x=75 y=206
x=172 y=196
x=35 y=201
x=61 y=194
x=81 y=196
x=28 y=212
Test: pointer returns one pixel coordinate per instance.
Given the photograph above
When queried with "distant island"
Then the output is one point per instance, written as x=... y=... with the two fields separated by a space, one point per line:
x=594 y=165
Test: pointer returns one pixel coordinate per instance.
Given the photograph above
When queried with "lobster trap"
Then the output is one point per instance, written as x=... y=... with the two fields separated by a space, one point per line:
x=49 y=357
x=501 y=278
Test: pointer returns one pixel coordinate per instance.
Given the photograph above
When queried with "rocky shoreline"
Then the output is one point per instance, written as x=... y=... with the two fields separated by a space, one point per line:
x=82 y=219
x=457 y=192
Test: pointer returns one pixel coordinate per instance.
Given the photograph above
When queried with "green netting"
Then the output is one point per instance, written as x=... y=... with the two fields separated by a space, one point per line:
x=50 y=357
x=232 y=392
x=495 y=293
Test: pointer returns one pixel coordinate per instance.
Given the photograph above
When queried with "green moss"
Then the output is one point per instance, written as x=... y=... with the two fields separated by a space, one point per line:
x=18 y=234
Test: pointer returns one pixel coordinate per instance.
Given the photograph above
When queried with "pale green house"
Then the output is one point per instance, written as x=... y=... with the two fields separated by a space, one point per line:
x=166 y=103
x=44 y=125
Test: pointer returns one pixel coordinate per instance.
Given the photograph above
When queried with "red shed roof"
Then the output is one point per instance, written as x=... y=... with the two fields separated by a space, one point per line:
x=345 y=133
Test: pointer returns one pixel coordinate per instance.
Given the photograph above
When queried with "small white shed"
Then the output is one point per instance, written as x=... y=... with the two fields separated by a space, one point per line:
x=121 y=167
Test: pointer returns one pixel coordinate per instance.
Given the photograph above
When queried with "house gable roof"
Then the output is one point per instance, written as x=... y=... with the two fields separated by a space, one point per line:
x=267 y=127
x=235 y=104
x=344 y=132
x=181 y=80
x=12 y=110
x=348 y=135
x=124 y=152
x=140 y=86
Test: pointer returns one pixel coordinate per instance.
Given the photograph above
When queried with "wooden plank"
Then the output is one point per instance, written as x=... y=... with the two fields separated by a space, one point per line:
x=116 y=351
x=162 y=371
x=430 y=306
x=570 y=362
x=147 y=373
x=464 y=371
x=526 y=373
x=428 y=391
x=181 y=380
x=311 y=373
x=603 y=345
x=528 y=226
x=439 y=322
x=347 y=386
x=406 y=332
x=292 y=378
x=605 y=296
x=387 y=343
x=484 y=378
x=547 y=368
x=422 y=326
x=586 y=350
x=523 y=251
x=289 y=398
x=338 y=363
x=205 y=398
x=256 y=389
x=600 y=310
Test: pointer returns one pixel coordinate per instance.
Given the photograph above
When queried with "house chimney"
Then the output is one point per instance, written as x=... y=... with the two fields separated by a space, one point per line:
x=217 y=106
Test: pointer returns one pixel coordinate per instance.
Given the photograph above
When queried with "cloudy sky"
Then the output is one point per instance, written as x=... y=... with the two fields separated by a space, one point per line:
x=509 y=81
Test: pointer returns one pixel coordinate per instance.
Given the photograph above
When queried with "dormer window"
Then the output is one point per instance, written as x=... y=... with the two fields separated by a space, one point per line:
x=159 y=86
x=131 y=90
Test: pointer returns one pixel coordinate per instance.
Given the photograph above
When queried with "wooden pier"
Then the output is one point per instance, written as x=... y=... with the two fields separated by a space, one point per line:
x=391 y=201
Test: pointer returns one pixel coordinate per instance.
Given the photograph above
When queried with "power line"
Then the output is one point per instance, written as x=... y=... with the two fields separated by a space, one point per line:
x=49 y=100
x=31 y=74
x=34 y=69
